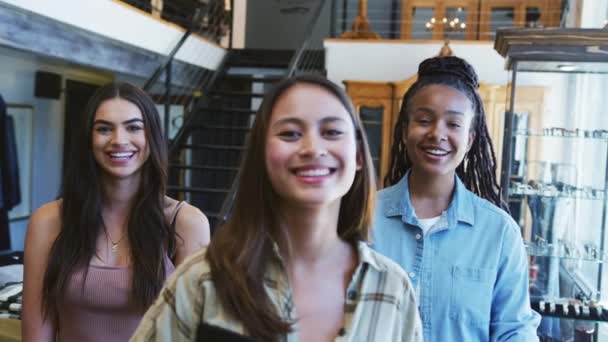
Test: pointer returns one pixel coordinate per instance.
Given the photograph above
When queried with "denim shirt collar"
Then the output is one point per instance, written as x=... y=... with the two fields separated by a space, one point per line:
x=460 y=208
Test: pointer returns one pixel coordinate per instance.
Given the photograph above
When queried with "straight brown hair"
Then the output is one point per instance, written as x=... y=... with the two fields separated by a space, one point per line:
x=151 y=238
x=241 y=250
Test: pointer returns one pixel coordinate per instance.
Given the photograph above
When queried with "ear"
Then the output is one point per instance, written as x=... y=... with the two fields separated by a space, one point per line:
x=471 y=140
x=359 y=158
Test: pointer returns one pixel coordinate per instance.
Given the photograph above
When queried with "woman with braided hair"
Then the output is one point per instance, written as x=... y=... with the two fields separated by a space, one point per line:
x=440 y=216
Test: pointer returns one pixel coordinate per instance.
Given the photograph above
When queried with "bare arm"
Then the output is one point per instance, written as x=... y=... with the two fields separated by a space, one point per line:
x=192 y=228
x=43 y=228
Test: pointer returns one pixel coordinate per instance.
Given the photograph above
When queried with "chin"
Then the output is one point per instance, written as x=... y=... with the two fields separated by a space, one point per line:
x=123 y=174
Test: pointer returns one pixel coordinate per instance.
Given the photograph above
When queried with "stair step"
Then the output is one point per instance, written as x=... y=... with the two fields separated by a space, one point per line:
x=220 y=127
x=203 y=167
x=228 y=110
x=195 y=189
x=224 y=93
x=211 y=214
x=213 y=147
x=254 y=79
x=264 y=58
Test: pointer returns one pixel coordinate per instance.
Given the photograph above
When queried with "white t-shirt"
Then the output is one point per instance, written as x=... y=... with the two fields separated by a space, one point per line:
x=428 y=223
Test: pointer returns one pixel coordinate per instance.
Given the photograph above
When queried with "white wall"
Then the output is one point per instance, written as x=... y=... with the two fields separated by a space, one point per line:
x=239 y=22
x=115 y=20
x=395 y=60
x=594 y=13
x=17 y=87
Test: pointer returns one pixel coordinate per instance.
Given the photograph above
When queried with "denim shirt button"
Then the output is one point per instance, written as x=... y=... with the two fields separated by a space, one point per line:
x=418 y=236
x=412 y=275
x=352 y=294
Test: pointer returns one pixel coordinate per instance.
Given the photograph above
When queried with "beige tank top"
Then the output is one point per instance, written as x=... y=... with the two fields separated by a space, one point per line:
x=101 y=311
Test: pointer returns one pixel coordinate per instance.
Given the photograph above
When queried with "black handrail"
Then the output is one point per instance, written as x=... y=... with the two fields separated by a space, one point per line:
x=295 y=60
x=159 y=71
x=181 y=135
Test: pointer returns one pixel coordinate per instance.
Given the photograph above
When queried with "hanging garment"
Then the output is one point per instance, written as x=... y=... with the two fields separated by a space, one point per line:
x=10 y=175
x=10 y=194
x=5 y=240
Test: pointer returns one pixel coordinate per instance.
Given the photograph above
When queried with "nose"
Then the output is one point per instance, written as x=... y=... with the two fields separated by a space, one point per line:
x=313 y=146
x=119 y=137
x=438 y=131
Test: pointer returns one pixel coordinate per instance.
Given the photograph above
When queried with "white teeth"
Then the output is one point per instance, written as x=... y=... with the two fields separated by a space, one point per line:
x=121 y=154
x=436 y=152
x=313 y=173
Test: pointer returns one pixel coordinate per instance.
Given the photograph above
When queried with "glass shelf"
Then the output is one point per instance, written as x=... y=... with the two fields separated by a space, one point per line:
x=548 y=250
x=601 y=135
x=593 y=194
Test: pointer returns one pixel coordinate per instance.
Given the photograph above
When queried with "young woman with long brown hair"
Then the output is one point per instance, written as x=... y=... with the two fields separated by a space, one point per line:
x=96 y=258
x=292 y=262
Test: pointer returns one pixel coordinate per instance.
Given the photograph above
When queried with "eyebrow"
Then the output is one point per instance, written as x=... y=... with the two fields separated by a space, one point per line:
x=297 y=121
x=430 y=111
x=105 y=122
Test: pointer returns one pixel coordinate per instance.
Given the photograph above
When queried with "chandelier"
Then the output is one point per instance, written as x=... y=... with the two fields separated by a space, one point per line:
x=449 y=25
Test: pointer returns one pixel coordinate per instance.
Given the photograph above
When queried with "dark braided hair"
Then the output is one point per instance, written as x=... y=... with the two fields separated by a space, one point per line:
x=478 y=169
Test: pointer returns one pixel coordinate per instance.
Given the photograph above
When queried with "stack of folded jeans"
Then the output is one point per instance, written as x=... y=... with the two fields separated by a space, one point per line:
x=10 y=300
x=11 y=291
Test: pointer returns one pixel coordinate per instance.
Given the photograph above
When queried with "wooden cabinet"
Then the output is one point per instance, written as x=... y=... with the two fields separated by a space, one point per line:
x=375 y=103
x=474 y=19
x=439 y=18
x=517 y=13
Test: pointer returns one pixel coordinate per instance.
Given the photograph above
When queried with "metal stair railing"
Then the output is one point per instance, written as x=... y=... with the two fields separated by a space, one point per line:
x=195 y=82
x=304 y=59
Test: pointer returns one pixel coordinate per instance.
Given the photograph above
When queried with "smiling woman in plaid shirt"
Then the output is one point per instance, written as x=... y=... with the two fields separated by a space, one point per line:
x=292 y=263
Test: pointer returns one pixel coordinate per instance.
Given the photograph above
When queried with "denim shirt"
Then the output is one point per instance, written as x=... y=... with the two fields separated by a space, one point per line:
x=472 y=269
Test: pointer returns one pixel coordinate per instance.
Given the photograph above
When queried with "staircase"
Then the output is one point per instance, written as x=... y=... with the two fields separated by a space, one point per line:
x=203 y=168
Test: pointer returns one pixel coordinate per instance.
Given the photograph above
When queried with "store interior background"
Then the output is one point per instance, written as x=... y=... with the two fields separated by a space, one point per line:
x=275 y=25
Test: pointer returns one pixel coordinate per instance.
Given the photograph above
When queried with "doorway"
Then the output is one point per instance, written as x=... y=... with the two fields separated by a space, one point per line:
x=77 y=94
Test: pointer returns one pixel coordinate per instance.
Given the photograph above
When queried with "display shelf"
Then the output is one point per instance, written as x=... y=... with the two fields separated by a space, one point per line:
x=554 y=166
x=566 y=252
x=570 y=311
x=596 y=135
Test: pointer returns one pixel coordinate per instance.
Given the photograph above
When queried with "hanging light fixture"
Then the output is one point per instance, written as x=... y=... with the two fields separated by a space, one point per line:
x=449 y=25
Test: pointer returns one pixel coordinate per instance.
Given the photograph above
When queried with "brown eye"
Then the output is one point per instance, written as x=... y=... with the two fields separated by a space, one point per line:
x=333 y=133
x=134 y=128
x=289 y=135
x=103 y=129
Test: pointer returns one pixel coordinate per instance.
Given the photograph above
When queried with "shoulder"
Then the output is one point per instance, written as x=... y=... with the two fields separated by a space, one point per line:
x=495 y=220
x=486 y=211
x=194 y=269
x=188 y=218
x=389 y=193
x=46 y=221
x=388 y=198
x=382 y=266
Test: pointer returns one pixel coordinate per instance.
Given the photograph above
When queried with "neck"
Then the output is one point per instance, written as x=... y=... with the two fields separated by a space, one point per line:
x=312 y=233
x=430 y=196
x=119 y=194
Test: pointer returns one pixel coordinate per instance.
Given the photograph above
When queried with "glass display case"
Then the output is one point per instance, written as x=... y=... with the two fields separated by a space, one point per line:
x=554 y=173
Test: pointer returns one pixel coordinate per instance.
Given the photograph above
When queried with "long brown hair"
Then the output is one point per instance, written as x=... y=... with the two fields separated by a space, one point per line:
x=150 y=237
x=241 y=249
x=478 y=169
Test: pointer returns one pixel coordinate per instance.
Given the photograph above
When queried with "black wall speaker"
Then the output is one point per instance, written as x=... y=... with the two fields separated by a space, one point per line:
x=47 y=85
